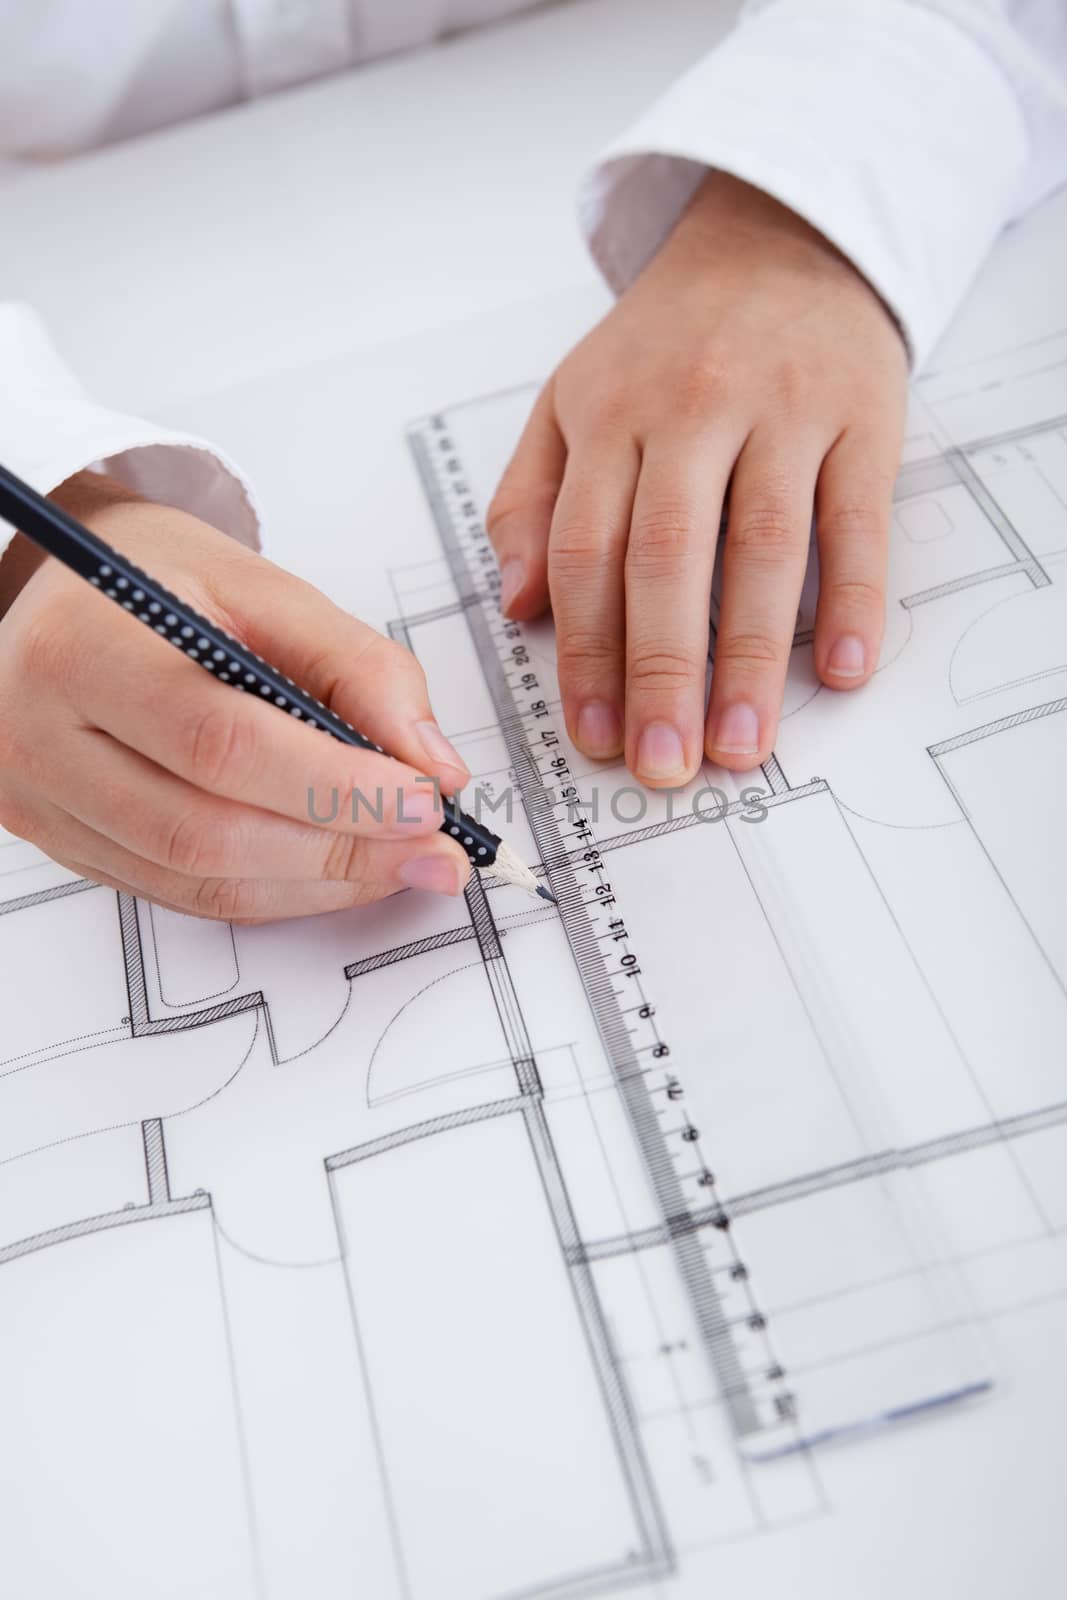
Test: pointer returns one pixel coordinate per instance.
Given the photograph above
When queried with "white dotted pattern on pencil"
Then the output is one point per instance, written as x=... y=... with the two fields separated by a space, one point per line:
x=199 y=649
x=212 y=658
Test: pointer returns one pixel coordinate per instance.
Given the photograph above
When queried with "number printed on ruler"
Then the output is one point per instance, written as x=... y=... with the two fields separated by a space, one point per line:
x=732 y=1324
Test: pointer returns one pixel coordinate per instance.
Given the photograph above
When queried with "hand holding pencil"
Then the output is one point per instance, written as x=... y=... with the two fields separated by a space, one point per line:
x=121 y=762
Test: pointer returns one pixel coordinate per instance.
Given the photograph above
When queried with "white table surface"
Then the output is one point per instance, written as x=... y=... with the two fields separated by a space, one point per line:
x=417 y=191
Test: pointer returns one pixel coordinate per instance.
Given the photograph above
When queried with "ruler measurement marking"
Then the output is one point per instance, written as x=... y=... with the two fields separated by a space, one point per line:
x=538 y=766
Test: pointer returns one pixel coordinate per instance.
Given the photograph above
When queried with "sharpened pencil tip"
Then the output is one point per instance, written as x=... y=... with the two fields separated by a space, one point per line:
x=546 y=894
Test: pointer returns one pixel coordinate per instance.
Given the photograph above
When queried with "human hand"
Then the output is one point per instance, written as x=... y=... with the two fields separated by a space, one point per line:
x=128 y=764
x=749 y=362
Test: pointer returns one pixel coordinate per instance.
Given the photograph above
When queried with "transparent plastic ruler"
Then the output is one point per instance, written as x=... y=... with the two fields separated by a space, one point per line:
x=722 y=1287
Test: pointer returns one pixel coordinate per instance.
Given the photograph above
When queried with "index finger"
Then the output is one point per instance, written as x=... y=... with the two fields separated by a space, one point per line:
x=373 y=682
x=158 y=702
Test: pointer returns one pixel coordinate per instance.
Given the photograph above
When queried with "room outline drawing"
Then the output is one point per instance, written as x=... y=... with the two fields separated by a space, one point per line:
x=695 y=1233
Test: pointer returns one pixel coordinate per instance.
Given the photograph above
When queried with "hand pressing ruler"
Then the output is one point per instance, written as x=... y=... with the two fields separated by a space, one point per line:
x=735 y=1333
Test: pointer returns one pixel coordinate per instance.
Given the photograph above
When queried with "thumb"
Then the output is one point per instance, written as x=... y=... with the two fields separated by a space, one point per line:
x=520 y=515
x=373 y=682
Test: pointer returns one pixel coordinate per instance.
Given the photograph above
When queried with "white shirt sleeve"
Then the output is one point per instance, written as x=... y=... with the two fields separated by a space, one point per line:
x=908 y=132
x=78 y=73
x=50 y=429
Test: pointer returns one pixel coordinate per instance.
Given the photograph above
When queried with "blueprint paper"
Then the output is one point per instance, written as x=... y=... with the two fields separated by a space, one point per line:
x=358 y=1256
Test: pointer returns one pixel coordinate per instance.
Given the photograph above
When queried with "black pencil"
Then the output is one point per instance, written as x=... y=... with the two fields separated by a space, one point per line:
x=227 y=659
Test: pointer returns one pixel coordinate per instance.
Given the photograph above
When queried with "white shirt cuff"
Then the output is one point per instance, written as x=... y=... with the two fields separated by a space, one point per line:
x=50 y=429
x=883 y=125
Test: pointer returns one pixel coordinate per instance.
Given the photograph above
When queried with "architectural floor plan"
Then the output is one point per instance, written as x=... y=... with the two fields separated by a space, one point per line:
x=483 y=1250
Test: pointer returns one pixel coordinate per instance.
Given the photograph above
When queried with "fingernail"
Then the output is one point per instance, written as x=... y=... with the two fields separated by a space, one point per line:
x=848 y=658
x=512 y=578
x=659 y=752
x=437 y=747
x=599 y=728
x=435 y=874
x=738 y=731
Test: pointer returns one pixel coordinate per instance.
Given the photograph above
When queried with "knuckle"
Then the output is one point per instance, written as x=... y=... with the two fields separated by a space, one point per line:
x=577 y=548
x=856 y=594
x=610 y=411
x=762 y=533
x=44 y=646
x=585 y=647
x=345 y=859
x=748 y=652
x=377 y=651
x=400 y=662
x=385 y=661
x=793 y=383
x=222 y=749
x=223 y=899
x=700 y=387
x=665 y=669
x=851 y=521
x=342 y=648
x=324 y=671
x=192 y=848
x=661 y=531
x=366 y=892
